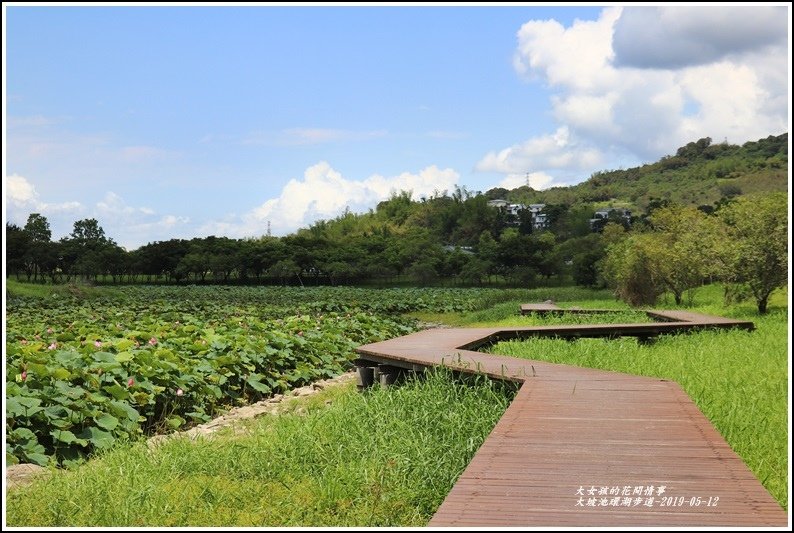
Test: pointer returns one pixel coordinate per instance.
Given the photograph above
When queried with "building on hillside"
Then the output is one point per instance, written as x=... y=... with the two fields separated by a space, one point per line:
x=601 y=217
x=539 y=219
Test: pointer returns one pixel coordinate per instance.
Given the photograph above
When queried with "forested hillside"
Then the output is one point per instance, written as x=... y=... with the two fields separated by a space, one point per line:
x=700 y=173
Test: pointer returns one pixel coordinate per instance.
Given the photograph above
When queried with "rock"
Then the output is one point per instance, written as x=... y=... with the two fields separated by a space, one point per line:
x=22 y=474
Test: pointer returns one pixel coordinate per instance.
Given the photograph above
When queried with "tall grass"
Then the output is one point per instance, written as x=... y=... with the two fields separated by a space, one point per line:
x=78 y=289
x=380 y=458
x=738 y=379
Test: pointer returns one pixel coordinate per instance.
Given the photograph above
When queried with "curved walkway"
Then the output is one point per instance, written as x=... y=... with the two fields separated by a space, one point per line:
x=585 y=447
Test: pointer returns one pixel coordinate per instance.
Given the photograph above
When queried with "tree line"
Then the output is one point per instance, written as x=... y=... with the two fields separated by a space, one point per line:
x=741 y=241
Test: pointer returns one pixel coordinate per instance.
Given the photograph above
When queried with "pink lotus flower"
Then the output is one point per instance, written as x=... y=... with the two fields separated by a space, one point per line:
x=179 y=392
x=49 y=330
x=23 y=341
x=52 y=346
x=24 y=375
x=130 y=382
x=37 y=337
x=300 y=334
x=98 y=344
x=152 y=341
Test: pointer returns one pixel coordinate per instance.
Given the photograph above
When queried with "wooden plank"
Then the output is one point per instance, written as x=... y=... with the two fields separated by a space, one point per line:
x=571 y=430
x=552 y=309
x=540 y=309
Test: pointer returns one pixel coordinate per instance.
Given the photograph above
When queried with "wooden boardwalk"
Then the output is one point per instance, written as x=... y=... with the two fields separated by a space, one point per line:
x=585 y=447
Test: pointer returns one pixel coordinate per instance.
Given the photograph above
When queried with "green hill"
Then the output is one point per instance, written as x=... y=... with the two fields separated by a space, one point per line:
x=700 y=173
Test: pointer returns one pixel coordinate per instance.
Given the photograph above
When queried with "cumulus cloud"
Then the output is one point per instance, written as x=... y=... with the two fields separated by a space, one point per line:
x=642 y=81
x=324 y=193
x=576 y=57
x=557 y=150
x=22 y=199
x=673 y=37
x=20 y=191
x=23 y=195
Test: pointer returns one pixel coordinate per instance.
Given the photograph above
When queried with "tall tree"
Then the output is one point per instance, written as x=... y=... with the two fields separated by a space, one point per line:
x=88 y=232
x=757 y=257
x=683 y=248
x=38 y=228
x=39 y=233
x=84 y=247
x=627 y=268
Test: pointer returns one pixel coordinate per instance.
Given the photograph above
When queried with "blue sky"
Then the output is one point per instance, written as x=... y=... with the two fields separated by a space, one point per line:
x=175 y=122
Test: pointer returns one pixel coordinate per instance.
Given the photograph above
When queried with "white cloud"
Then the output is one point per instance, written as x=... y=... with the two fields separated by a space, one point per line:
x=537 y=180
x=575 y=57
x=557 y=150
x=643 y=81
x=22 y=194
x=20 y=191
x=324 y=193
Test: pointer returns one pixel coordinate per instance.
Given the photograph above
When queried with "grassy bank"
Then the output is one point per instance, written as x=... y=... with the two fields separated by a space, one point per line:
x=48 y=290
x=385 y=457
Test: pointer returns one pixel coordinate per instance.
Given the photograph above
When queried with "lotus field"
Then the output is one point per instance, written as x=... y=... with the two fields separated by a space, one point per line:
x=85 y=372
